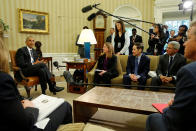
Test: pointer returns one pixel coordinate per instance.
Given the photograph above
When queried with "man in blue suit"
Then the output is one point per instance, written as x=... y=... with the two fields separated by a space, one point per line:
x=138 y=66
x=181 y=113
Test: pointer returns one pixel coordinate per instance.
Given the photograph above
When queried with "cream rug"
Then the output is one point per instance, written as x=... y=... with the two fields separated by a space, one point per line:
x=115 y=120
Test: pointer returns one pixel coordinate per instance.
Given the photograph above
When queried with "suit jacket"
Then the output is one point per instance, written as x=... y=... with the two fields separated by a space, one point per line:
x=13 y=115
x=23 y=59
x=138 y=38
x=181 y=115
x=143 y=67
x=111 y=66
x=177 y=63
x=109 y=38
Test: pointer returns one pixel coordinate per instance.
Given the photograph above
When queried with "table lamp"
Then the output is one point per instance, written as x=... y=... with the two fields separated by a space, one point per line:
x=87 y=38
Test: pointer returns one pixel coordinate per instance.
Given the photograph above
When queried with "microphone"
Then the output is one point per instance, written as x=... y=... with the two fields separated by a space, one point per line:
x=89 y=7
x=56 y=64
x=92 y=16
x=86 y=9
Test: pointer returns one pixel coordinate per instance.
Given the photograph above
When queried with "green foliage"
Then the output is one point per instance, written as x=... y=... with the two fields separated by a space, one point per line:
x=5 y=26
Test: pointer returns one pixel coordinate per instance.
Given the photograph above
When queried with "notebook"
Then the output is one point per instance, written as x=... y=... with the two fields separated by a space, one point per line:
x=159 y=106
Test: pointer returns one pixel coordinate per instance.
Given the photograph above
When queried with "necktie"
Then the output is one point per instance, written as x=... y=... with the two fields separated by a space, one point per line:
x=169 y=66
x=32 y=59
x=136 y=66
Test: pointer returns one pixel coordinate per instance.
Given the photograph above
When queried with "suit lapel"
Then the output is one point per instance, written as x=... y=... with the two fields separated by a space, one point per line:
x=27 y=51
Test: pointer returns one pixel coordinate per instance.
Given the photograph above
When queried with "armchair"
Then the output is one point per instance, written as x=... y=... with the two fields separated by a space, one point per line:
x=27 y=82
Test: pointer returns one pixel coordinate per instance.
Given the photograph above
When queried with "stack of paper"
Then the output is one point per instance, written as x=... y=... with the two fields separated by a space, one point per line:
x=46 y=105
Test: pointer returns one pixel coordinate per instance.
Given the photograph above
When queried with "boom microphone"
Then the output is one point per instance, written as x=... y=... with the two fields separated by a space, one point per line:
x=89 y=7
x=92 y=16
x=86 y=9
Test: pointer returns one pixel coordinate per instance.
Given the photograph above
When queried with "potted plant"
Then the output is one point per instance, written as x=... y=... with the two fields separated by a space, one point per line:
x=3 y=27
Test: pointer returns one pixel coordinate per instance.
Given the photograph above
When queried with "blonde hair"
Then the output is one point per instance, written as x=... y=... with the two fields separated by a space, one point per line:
x=4 y=65
x=110 y=49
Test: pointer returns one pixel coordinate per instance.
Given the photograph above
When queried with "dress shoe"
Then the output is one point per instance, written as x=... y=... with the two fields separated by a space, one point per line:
x=44 y=92
x=56 y=89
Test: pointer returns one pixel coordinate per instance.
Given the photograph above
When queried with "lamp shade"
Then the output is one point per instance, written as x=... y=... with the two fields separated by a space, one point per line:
x=87 y=35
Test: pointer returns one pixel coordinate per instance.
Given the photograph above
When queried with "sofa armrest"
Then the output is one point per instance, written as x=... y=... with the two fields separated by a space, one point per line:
x=90 y=76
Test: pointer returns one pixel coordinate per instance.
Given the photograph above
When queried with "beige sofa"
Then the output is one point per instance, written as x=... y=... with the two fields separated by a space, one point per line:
x=121 y=67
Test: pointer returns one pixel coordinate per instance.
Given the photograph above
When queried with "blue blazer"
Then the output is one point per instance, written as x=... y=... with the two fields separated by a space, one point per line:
x=143 y=68
x=181 y=115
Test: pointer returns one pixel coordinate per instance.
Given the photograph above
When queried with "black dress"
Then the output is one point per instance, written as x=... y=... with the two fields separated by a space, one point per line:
x=111 y=66
x=119 y=42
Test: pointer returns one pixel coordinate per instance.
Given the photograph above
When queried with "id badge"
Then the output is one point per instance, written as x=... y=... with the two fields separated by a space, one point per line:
x=119 y=45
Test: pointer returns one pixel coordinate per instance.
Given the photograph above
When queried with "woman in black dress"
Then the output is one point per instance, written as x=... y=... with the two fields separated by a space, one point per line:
x=120 y=39
x=106 y=66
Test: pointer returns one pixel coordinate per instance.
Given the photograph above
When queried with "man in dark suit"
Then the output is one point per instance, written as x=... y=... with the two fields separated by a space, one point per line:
x=138 y=66
x=134 y=38
x=27 y=60
x=109 y=38
x=181 y=113
x=169 y=64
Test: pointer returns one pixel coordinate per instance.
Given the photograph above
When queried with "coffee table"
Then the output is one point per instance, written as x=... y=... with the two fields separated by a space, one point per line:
x=134 y=101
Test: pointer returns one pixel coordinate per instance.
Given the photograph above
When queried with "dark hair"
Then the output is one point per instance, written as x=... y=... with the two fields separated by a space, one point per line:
x=122 y=27
x=38 y=44
x=139 y=45
x=184 y=26
x=161 y=33
x=85 y=27
x=134 y=29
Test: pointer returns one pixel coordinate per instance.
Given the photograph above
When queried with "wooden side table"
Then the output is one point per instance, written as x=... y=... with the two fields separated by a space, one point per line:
x=49 y=62
x=86 y=66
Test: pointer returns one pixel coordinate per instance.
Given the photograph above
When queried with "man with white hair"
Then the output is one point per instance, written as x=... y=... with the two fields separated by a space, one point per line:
x=181 y=113
x=169 y=64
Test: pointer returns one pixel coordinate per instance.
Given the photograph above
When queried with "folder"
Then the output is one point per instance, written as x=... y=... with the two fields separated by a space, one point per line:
x=159 y=106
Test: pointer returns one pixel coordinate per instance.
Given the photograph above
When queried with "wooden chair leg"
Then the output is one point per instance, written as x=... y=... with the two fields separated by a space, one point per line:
x=28 y=91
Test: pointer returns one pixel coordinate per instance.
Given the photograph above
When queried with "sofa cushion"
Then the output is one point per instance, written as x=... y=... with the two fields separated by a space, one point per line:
x=154 y=61
x=123 y=61
x=117 y=80
x=119 y=66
